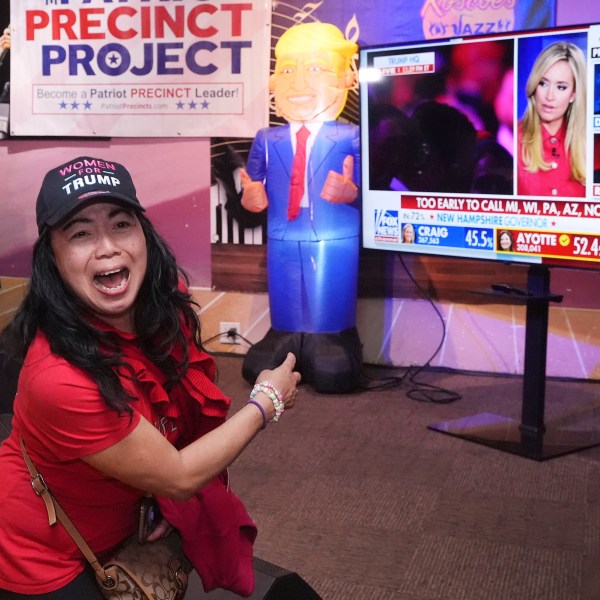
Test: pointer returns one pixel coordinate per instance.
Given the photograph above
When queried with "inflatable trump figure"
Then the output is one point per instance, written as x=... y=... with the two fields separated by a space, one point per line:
x=305 y=174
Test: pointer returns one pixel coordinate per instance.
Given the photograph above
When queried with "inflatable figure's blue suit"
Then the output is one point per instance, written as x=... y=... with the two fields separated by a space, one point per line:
x=313 y=216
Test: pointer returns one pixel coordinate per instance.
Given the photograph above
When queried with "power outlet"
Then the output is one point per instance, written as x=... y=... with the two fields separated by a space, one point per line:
x=226 y=326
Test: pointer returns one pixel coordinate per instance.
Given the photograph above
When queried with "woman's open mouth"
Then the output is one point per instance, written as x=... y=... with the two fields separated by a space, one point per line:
x=112 y=282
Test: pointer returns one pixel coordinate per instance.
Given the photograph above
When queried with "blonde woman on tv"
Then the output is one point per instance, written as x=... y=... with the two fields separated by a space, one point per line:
x=551 y=135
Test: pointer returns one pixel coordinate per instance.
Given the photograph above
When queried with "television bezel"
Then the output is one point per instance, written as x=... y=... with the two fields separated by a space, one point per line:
x=390 y=206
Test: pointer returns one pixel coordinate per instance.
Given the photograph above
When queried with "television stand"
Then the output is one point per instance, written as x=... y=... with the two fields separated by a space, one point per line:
x=530 y=438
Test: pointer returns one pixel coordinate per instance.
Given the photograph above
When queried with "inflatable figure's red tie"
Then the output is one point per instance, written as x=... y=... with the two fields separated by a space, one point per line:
x=298 y=169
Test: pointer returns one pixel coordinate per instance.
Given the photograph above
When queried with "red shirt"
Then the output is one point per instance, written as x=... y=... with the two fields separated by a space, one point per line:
x=62 y=417
x=555 y=182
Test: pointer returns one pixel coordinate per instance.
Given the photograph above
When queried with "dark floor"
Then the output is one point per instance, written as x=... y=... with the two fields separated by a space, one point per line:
x=356 y=496
x=360 y=498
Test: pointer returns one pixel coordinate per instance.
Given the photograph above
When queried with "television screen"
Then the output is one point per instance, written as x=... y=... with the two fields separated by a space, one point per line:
x=484 y=147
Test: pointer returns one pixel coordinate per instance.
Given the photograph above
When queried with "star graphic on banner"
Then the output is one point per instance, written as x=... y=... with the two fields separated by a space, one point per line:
x=87 y=105
x=114 y=59
x=205 y=104
x=62 y=105
x=74 y=105
x=180 y=105
x=192 y=105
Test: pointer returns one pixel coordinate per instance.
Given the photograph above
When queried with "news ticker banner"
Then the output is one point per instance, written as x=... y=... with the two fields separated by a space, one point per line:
x=474 y=226
x=139 y=68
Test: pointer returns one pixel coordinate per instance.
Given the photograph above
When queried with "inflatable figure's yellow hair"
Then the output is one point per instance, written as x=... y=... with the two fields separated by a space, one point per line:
x=318 y=37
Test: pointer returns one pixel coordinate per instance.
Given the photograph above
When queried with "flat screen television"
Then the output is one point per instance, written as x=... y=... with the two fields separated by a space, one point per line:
x=440 y=149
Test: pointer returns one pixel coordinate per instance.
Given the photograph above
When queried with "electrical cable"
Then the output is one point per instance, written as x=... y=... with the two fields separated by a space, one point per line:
x=422 y=392
x=426 y=392
x=234 y=335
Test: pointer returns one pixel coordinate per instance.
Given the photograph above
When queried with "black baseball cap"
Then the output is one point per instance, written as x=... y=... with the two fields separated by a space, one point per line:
x=79 y=182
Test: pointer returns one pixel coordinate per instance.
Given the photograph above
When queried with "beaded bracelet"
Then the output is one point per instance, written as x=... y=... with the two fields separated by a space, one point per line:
x=262 y=410
x=277 y=401
x=269 y=390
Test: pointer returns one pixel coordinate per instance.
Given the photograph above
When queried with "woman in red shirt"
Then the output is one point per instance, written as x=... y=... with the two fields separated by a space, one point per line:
x=116 y=397
x=551 y=135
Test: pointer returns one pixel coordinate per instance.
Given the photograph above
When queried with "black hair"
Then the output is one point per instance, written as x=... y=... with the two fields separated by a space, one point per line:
x=493 y=169
x=393 y=143
x=160 y=308
x=446 y=157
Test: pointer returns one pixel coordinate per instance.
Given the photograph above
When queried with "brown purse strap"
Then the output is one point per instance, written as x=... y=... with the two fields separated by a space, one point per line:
x=55 y=510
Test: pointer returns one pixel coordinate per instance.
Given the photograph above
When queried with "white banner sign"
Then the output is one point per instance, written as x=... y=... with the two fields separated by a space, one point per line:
x=139 y=68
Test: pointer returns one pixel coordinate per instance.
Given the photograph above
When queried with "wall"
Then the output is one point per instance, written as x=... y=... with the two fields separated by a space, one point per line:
x=401 y=328
x=481 y=333
x=572 y=12
x=172 y=177
x=445 y=323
